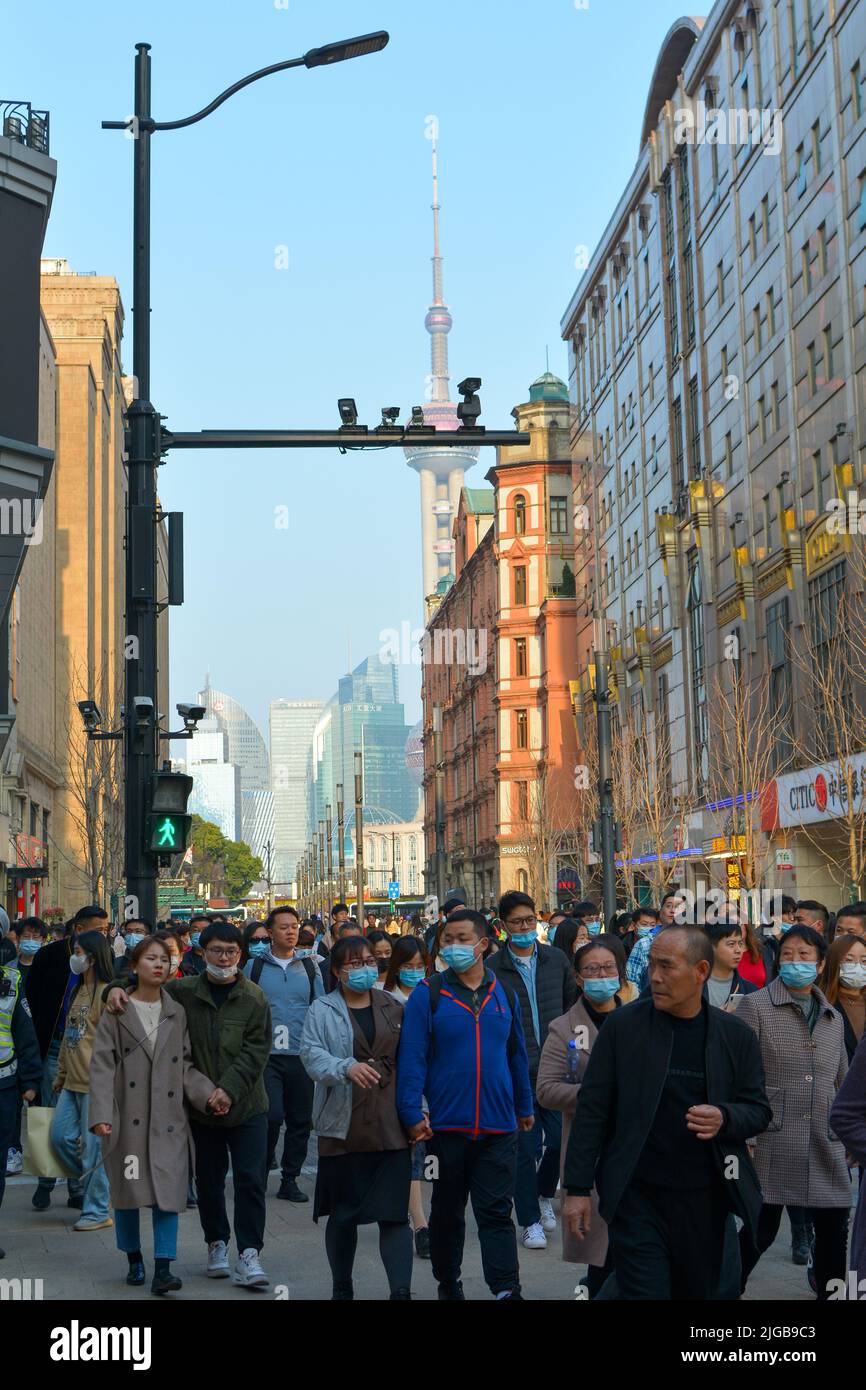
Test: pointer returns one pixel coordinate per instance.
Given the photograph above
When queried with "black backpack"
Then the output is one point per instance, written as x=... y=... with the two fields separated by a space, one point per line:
x=434 y=984
x=312 y=972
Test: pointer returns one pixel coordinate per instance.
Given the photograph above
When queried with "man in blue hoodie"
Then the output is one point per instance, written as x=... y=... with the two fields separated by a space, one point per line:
x=463 y=1048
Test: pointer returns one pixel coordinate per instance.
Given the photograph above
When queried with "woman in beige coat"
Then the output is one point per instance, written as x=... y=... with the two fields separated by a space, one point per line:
x=140 y=1073
x=600 y=970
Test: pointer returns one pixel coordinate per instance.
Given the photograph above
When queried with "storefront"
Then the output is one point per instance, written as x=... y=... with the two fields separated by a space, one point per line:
x=817 y=819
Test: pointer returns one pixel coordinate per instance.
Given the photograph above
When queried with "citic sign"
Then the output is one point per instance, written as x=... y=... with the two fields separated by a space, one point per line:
x=821 y=792
x=815 y=794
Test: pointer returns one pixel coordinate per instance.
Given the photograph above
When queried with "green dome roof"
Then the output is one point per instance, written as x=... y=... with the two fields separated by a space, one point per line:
x=548 y=388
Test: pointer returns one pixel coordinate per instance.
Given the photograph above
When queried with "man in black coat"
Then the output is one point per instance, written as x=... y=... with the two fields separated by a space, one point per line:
x=542 y=980
x=673 y=1090
x=48 y=987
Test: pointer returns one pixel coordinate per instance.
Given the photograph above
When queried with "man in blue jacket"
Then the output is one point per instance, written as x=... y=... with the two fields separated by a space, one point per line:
x=463 y=1048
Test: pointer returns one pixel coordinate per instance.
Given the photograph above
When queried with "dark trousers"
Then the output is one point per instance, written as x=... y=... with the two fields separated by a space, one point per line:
x=537 y=1165
x=290 y=1098
x=8 y=1115
x=668 y=1242
x=481 y=1170
x=831 y=1242
x=247 y=1145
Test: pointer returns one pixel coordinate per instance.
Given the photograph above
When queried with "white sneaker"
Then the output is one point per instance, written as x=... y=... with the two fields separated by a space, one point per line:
x=14 y=1162
x=248 y=1271
x=548 y=1215
x=534 y=1237
x=217 y=1260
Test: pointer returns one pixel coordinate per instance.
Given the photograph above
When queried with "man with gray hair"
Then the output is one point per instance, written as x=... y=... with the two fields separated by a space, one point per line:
x=672 y=1092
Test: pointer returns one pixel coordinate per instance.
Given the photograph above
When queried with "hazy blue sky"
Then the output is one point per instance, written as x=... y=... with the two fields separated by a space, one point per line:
x=539 y=108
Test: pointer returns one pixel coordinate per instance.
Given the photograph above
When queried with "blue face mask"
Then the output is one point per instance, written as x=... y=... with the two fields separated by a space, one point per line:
x=786 y=926
x=593 y=928
x=132 y=939
x=363 y=977
x=645 y=931
x=29 y=946
x=195 y=938
x=524 y=938
x=798 y=973
x=600 y=990
x=411 y=978
x=259 y=948
x=460 y=958
x=303 y=953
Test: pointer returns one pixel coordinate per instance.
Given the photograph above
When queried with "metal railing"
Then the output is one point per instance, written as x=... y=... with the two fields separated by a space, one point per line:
x=20 y=122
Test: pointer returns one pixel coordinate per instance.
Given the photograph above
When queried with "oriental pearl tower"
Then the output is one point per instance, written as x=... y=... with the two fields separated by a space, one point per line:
x=441 y=470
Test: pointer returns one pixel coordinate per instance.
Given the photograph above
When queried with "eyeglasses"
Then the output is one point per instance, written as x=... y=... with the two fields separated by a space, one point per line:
x=223 y=953
x=522 y=922
x=599 y=972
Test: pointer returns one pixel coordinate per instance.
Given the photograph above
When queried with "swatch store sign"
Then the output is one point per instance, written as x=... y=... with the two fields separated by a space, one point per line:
x=816 y=794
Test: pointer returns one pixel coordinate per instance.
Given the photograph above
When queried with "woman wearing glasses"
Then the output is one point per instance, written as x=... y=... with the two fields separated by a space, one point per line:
x=600 y=971
x=349 y=1049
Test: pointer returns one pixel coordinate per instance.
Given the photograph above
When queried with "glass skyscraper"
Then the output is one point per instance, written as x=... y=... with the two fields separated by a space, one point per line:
x=292 y=723
x=246 y=746
x=366 y=716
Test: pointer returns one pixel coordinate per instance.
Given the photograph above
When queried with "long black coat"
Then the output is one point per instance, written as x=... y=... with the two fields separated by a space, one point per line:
x=555 y=992
x=45 y=985
x=621 y=1091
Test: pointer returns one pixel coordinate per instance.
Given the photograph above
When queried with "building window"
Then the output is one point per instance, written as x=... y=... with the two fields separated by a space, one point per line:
x=559 y=516
x=698 y=682
x=812 y=358
x=521 y=724
x=663 y=732
x=720 y=281
x=522 y=881
x=679 y=449
x=823 y=259
x=827 y=337
x=861 y=207
x=825 y=594
x=522 y=801
x=520 y=656
x=520 y=515
x=695 y=427
x=729 y=455
x=520 y=586
x=856 y=93
x=771 y=315
x=802 y=171
x=690 y=294
x=781 y=701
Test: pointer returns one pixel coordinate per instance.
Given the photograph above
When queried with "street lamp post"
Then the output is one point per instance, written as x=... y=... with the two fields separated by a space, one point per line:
x=607 y=846
x=147 y=441
x=322 y=864
x=315 y=874
x=359 y=837
x=439 y=766
x=341 y=845
x=141 y=732
x=328 y=826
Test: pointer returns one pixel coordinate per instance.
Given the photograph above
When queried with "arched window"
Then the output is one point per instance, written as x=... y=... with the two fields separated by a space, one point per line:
x=520 y=515
x=522 y=881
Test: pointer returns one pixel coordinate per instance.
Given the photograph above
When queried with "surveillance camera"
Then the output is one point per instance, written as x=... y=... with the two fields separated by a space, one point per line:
x=469 y=385
x=143 y=708
x=390 y=416
x=348 y=411
x=191 y=714
x=91 y=714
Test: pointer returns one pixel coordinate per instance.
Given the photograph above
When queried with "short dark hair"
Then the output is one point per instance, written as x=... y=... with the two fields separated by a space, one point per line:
x=697 y=945
x=276 y=912
x=646 y=911
x=90 y=913
x=582 y=909
x=453 y=902
x=221 y=930
x=720 y=931
x=807 y=934
x=789 y=904
x=200 y=917
x=509 y=901
x=31 y=924
x=812 y=905
x=377 y=935
x=404 y=948
x=468 y=914
x=851 y=910
x=351 y=926
x=671 y=893
x=339 y=907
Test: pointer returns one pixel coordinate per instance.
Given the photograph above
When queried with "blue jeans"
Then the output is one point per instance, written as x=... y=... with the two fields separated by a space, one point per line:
x=127 y=1228
x=49 y=1097
x=537 y=1171
x=81 y=1150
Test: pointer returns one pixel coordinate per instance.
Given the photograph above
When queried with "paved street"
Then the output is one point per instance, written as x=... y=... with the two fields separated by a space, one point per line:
x=43 y=1245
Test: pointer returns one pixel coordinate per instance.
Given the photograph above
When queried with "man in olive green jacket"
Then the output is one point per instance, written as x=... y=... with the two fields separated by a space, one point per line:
x=229 y=1021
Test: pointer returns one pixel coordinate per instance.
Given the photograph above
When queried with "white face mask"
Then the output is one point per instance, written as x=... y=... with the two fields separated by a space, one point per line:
x=222 y=973
x=79 y=964
x=853 y=974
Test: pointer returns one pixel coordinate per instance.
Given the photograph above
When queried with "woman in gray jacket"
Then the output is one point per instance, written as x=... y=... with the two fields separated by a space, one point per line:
x=799 y=1160
x=349 y=1049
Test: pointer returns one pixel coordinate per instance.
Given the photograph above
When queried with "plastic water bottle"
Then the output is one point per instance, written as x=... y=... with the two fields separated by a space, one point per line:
x=573 y=1061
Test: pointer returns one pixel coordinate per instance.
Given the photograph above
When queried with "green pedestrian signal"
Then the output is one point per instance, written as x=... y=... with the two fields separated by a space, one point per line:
x=167 y=834
x=168 y=825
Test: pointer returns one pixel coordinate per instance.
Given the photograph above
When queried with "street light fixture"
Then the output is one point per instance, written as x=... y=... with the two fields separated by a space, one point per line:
x=348 y=412
x=349 y=48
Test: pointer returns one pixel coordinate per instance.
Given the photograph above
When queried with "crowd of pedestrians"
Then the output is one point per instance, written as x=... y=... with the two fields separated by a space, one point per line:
x=660 y=1090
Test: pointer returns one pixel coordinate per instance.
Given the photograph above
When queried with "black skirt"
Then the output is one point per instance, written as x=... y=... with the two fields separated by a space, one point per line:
x=359 y=1188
